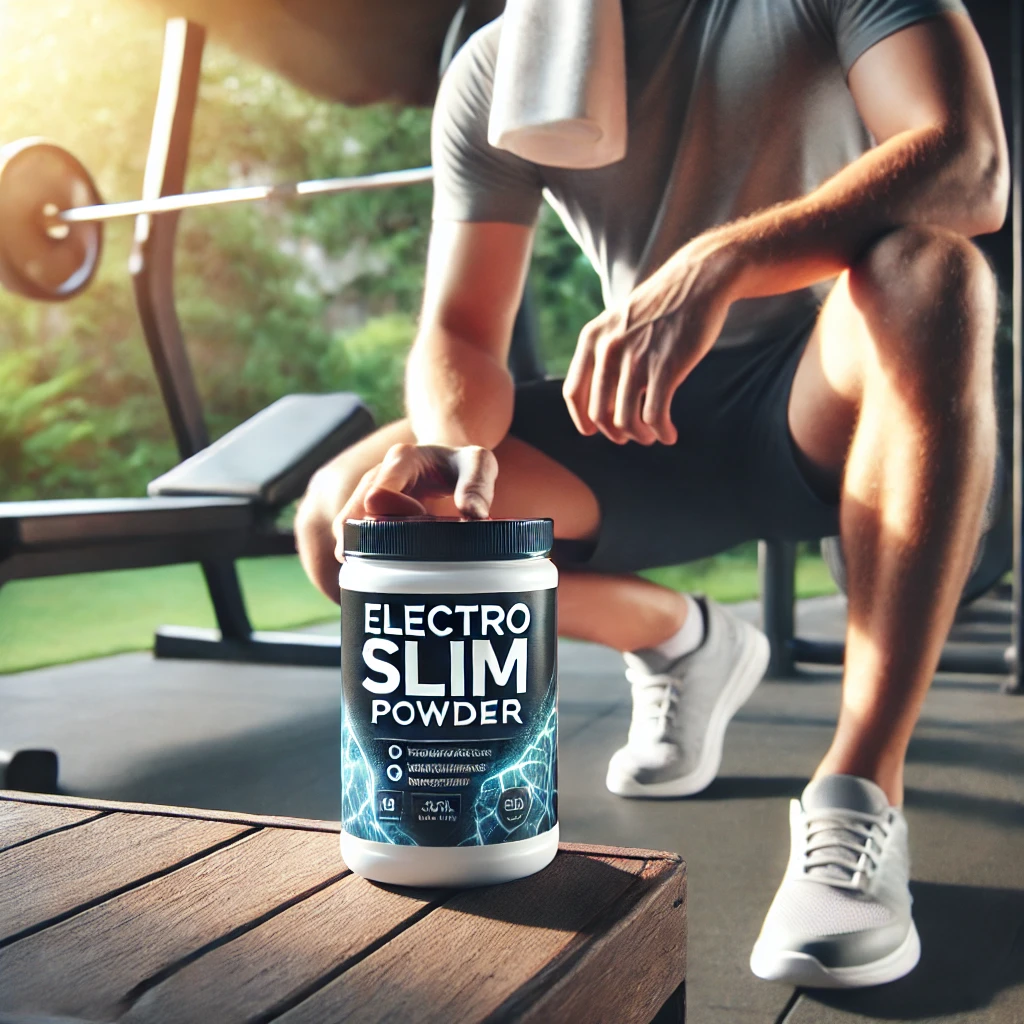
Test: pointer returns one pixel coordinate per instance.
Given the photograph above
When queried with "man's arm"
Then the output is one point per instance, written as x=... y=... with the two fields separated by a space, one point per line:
x=459 y=392
x=926 y=94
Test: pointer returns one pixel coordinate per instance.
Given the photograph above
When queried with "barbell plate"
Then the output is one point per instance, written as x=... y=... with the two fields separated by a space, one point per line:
x=39 y=257
x=248 y=194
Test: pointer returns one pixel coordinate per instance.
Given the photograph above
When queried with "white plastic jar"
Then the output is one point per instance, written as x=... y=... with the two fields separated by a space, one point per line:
x=449 y=700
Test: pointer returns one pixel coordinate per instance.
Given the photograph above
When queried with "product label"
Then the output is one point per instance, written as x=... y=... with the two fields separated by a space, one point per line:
x=449 y=718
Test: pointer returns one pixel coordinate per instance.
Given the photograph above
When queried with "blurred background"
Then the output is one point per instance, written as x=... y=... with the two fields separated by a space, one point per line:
x=316 y=295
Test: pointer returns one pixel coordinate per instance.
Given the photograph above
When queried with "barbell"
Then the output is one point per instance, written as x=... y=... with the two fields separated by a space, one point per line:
x=52 y=215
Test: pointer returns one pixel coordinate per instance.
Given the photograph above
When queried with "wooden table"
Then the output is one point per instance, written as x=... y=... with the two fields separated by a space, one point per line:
x=132 y=912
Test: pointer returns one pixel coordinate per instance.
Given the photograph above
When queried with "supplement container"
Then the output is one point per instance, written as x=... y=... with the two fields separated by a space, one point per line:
x=449 y=715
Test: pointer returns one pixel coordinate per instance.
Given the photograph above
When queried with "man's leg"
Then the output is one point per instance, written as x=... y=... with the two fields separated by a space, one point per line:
x=623 y=612
x=896 y=384
x=893 y=394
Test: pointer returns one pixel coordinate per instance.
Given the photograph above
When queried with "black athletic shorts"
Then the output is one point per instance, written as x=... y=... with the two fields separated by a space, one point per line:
x=733 y=475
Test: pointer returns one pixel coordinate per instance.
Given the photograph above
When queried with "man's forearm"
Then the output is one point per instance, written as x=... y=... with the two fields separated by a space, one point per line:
x=926 y=176
x=456 y=394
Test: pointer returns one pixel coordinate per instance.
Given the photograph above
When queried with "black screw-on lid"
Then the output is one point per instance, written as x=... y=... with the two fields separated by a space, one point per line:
x=429 y=539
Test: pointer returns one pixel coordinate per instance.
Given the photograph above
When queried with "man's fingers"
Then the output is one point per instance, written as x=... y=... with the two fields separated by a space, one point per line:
x=383 y=502
x=415 y=471
x=629 y=402
x=576 y=389
x=609 y=356
x=400 y=468
x=474 y=492
x=657 y=411
x=354 y=508
x=409 y=472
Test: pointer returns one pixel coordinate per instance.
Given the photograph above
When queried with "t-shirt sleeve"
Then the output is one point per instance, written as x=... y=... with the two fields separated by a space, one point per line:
x=473 y=181
x=859 y=24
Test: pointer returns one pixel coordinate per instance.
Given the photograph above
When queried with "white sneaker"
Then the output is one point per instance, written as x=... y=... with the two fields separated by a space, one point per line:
x=841 y=918
x=681 y=709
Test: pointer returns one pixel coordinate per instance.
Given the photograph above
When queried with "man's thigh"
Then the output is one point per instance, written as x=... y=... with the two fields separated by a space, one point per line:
x=533 y=485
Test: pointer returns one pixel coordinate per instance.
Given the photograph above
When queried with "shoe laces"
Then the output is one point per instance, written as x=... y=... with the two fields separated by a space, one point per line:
x=655 y=699
x=843 y=847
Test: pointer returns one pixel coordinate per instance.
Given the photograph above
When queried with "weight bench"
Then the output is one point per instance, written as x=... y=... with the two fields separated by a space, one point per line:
x=51 y=538
x=222 y=503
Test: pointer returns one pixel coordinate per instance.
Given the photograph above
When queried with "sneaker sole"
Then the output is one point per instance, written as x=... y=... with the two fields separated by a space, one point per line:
x=748 y=672
x=808 y=972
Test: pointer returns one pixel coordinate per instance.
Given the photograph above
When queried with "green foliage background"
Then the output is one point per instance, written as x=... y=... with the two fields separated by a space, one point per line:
x=315 y=295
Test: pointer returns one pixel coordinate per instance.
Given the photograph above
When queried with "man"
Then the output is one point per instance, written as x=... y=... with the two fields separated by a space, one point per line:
x=798 y=341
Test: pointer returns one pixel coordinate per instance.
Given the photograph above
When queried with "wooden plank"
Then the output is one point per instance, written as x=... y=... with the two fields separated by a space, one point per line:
x=254 y=930
x=628 y=852
x=90 y=803
x=273 y=963
x=621 y=970
x=60 y=872
x=469 y=956
x=21 y=821
x=92 y=964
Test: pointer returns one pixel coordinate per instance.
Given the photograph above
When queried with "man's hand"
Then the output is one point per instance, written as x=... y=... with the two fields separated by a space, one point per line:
x=629 y=362
x=927 y=97
x=410 y=473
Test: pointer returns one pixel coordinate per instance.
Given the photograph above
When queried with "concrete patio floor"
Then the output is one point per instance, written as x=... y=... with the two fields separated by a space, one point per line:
x=265 y=739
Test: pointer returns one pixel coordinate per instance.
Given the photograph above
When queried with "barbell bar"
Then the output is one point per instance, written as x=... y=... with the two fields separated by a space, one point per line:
x=246 y=194
x=52 y=215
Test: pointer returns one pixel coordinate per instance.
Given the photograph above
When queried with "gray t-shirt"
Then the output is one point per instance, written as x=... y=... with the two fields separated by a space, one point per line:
x=733 y=105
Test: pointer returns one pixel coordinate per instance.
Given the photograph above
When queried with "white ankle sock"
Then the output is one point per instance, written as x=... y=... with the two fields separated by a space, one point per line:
x=688 y=637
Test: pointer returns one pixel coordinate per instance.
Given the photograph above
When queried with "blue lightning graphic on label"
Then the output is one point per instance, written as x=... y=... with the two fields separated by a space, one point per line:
x=530 y=780
x=358 y=812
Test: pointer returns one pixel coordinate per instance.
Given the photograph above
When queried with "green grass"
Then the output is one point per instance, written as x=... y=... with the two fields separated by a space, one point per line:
x=68 y=618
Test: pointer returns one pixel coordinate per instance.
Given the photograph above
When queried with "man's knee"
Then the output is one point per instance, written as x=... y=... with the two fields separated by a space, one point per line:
x=929 y=299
